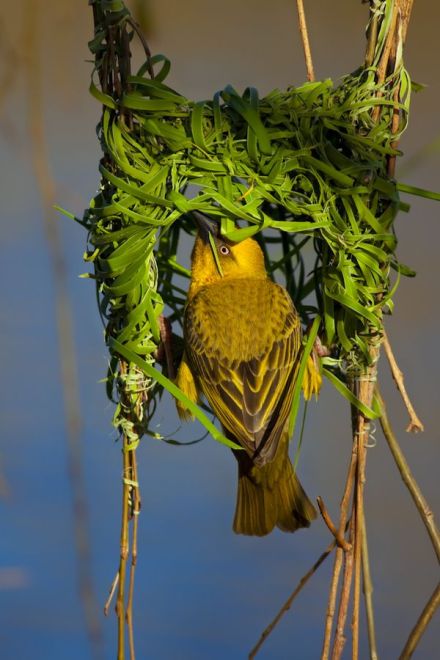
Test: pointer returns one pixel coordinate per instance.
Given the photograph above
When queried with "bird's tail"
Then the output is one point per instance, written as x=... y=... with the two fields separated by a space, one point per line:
x=270 y=496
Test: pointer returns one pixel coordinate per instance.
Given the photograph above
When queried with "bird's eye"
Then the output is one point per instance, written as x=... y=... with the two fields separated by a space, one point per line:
x=224 y=249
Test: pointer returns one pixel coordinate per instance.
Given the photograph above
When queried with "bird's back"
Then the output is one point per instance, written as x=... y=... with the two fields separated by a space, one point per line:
x=242 y=340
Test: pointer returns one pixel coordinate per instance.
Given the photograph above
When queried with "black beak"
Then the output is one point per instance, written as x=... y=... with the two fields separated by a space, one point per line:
x=206 y=226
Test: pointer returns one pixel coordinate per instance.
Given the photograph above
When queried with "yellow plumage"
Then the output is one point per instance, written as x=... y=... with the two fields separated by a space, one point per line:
x=242 y=347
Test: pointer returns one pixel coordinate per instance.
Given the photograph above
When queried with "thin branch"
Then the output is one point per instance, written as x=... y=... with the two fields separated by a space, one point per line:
x=421 y=625
x=124 y=550
x=384 y=61
x=341 y=542
x=395 y=123
x=405 y=472
x=397 y=30
x=405 y=8
x=371 y=36
x=362 y=439
x=340 y=639
x=145 y=45
x=290 y=600
x=305 y=40
x=368 y=592
x=415 y=424
x=136 y=508
x=331 y=607
x=131 y=505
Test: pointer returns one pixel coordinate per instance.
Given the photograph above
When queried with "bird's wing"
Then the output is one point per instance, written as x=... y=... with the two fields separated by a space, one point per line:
x=251 y=398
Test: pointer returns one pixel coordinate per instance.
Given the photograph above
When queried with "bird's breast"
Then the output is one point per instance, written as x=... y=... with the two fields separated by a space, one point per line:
x=240 y=318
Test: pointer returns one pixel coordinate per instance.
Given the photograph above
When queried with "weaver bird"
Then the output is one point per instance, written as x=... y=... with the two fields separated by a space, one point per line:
x=242 y=338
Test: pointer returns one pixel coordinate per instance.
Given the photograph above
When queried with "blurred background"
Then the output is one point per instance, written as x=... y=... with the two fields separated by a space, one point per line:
x=201 y=591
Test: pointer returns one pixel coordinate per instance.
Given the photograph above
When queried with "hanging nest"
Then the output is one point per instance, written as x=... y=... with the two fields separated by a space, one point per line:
x=308 y=162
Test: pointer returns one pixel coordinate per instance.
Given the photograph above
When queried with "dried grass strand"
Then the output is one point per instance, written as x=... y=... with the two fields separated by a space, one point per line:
x=415 y=425
x=340 y=540
x=368 y=593
x=422 y=623
x=265 y=634
x=410 y=482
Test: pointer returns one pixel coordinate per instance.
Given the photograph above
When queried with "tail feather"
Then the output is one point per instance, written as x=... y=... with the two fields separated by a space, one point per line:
x=256 y=511
x=263 y=503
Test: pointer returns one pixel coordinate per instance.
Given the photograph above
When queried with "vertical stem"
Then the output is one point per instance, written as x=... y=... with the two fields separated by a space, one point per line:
x=362 y=437
x=331 y=607
x=363 y=387
x=340 y=639
x=305 y=40
x=368 y=593
x=136 y=507
x=371 y=37
x=124 y=550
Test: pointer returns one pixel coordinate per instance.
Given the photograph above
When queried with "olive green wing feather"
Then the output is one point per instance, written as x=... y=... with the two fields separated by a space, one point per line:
x=251 y=398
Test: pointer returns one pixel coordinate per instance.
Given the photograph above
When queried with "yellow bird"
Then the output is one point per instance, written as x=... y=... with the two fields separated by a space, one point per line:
x=242 y=338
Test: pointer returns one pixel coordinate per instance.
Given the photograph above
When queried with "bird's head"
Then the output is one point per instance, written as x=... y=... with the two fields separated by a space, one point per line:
x=214 y=257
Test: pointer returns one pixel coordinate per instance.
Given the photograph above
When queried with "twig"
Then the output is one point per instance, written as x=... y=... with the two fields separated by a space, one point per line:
x=405 y=9
x=341 y=542
x=124 y=550
x=395 y=123
x=131 y=505
x=415 y=424
x=305 y=40
x=331 y=607
x=408 y=478
x=368 y=593
x=362 y=438
x=371 y=37
x=421 y=625
x=290 y=600
x=145 y=45
x=136 y=507
x=340 y=639
x=396 y=31
x=384 y=61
